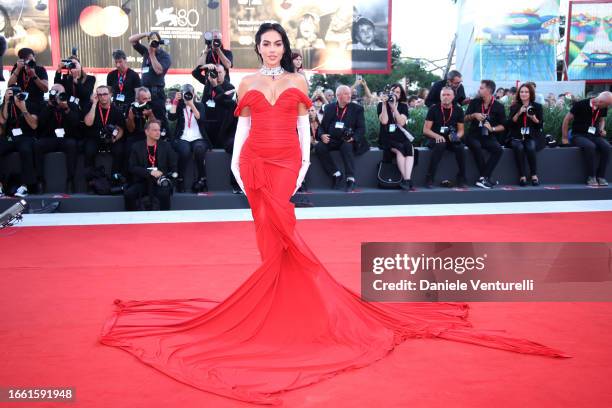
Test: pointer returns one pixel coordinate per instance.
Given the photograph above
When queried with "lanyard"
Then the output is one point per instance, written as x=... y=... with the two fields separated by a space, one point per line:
x=340 y=117
x=58 y=118
x=213 y=93
x=444 y=120
x=152 y=158
x=102 y=118
x=26 y=80
x=490 y=106
x=189 y=113
x=216 y=59
x=121 y=81
x=594 y=114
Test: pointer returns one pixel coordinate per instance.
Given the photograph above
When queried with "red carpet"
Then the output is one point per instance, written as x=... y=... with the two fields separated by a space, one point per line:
x=58 y=284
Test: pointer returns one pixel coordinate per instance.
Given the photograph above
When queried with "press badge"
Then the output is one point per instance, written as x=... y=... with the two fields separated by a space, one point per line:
x=17 y=132
x=392 y=127
x=211 y=103
x=592 y=130
x=120 y=98
x=60 y=132
x=524 y=131
x=145 y=70
x=443 y=129
x=74 y=100
x=339 y=125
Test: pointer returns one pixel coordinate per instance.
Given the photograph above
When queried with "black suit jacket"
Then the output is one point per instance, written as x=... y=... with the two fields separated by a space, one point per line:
x=166 y=160
x=179 y=116
x=354 y=118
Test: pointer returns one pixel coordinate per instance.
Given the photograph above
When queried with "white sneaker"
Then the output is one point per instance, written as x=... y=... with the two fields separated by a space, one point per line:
x=22 y=192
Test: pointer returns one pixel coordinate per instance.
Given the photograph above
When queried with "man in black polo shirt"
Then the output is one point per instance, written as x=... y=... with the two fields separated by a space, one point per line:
x=30 y=77
x=486 y=117
x=453 y=80
x=57 y=132
x=155 y=65
x=105 y=125
x=123 y=81
x=444 y=128
x=343 y=124
x=19 y=119
x=588 y=118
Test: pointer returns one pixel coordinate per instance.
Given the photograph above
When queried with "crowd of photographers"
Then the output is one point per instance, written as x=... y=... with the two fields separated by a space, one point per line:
x=130 y=118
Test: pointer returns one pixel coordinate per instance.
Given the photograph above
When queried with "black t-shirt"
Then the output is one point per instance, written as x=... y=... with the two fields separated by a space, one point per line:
x=114 y=117
x=384 y=131
x=584 y=117
x=27 y=84
x=53 y=117
x=514 y=128
x=123 y=85
x=444 y=117
x=16 y=120
x=495 y=111
x=80 y=90
x=150 y=78
x=213 y=58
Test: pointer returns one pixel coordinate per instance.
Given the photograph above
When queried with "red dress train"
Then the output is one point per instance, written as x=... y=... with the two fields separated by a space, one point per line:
x=290 y=323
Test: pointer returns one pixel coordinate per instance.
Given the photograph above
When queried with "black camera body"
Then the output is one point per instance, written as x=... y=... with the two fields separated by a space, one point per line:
x=391 y=97
x=530 y=110
x=157 y=43
x=188 y=96
x=17 y=93
x=139 y=108
x=107 y=133
x=347 y=134
x=31 y=64
x=56 y=97
x=483 y=130
x=68 y=64
x=167 y=180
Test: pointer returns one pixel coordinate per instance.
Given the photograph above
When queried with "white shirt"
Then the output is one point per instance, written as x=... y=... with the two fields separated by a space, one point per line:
x=191 y=131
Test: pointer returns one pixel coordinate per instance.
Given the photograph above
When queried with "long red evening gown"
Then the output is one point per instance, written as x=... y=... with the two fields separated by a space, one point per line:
x=290 y=323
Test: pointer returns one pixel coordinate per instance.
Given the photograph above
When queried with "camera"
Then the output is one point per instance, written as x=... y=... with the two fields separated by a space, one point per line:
x=56 y=97
x=530 y=110
x=208 y=39
x=167 y=180
x=157 y=43
x=483 y=130
x=17 y=93
x=212 y=73
x=68 y=64
x=139 y=108
x=347 y=134
x=31 y=64
x=391 y=97
x=107 y=133
x=188 y=96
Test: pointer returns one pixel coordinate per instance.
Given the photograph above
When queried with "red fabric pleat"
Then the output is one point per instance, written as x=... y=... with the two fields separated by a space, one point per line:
x=290 y=324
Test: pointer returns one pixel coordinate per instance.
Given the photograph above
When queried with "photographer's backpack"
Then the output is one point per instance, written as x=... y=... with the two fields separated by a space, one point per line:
x=388 y=175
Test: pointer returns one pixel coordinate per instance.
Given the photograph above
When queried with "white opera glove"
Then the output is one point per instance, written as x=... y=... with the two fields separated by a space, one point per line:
x=303 y=129
x=242 y=132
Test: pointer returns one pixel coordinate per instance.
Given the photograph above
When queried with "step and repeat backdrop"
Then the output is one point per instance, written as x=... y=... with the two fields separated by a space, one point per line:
x=333 y=36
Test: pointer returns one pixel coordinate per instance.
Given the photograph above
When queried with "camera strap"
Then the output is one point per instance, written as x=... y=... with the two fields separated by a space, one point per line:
x=444 y=120
x=340 y=117
x=525 y=119
x=121 y=81
x=103 y=118
x=152 y=158
x=26 y=79
x=594 y=114
x=490 y=106
x=58 y=118
x=189 y=114
x=216 y=59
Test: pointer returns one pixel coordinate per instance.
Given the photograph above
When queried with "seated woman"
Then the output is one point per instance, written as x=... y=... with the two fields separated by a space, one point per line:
x=525 y=131
x=391 y=137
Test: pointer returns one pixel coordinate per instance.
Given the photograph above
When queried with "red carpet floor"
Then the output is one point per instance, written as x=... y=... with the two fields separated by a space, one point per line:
x=57 y=286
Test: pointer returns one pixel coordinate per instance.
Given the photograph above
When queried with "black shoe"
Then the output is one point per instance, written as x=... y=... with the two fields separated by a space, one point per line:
x=237 y=190
x=535 y=182
x=428 y=182
x=336 y=182
x=203 y=185
x=199 y=186
x=522 y=182
x=350 y=186
x=484 y=183
x=407 y=185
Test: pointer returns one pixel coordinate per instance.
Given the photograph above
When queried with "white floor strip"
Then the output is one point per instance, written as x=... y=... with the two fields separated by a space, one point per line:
x=106 y=218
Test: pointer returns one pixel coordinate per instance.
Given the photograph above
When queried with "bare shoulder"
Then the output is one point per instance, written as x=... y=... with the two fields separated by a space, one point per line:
x=245 y=84
x=299 y=82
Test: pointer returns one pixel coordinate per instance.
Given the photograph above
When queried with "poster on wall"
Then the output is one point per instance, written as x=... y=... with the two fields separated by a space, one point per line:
x=99 y=27
x=589 y=43
x=25 y=24
x=332 y=36
x=508 y=41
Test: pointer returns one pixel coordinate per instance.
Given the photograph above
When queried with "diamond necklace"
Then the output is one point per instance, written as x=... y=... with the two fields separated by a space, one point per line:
x=273 y=72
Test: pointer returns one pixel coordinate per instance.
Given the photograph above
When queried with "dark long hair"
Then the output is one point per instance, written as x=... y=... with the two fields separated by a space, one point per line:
x=403 y=97
x=286 y=60
x=517 y=96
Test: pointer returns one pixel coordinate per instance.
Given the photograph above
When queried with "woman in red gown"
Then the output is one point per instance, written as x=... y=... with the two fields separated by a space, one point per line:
x=290 y=324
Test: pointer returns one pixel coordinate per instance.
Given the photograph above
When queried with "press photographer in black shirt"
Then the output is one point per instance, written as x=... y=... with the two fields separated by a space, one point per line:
x=487 y=118
x=76 y=82
x=444 y=128
x=152 y=169
x=155 y=64
x=57 y=132
x=190 y=137
x=342 y=126
x=453 y=80
x=105 y=128
x=123 y=82
x=525 y=129
x=392 y=139
x=588 y=118
x=30 y=77
x=214 y=53
x=19 y=121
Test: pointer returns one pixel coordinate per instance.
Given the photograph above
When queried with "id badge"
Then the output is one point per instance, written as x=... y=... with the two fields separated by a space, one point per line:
x=60 y=132
x=74 y=100
x=524 y=131
x=145 y=70
x=17 y=132
x=480 y=124
x=592 y=130
x=339 y=125
x=392 y=128
x=211 y=103
x=443 y=129
x=120 y=98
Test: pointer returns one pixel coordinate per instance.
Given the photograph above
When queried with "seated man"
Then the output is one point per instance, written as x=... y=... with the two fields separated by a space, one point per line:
x=152 y=166
x=588 y=118
x=343 y=124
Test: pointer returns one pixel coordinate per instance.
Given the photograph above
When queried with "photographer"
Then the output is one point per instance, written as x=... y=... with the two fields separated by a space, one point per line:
x=155 y=65
x=444 y=128
x=525 y=131
x=105 y=125
x=28 y=76
x=190 y=137
x=393 y=117
x=57 y=132
x=76 y=82
x=454 y=81
x=486 y=117
x=214 y=53
x=19 y=121
x=152 y=165
x=343 y=126
x=123 y=81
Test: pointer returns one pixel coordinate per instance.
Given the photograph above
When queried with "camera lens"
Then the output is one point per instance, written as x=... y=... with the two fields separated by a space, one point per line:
x=31 y=63
x=188 y=96
x=530 y=110
x=213 y=74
